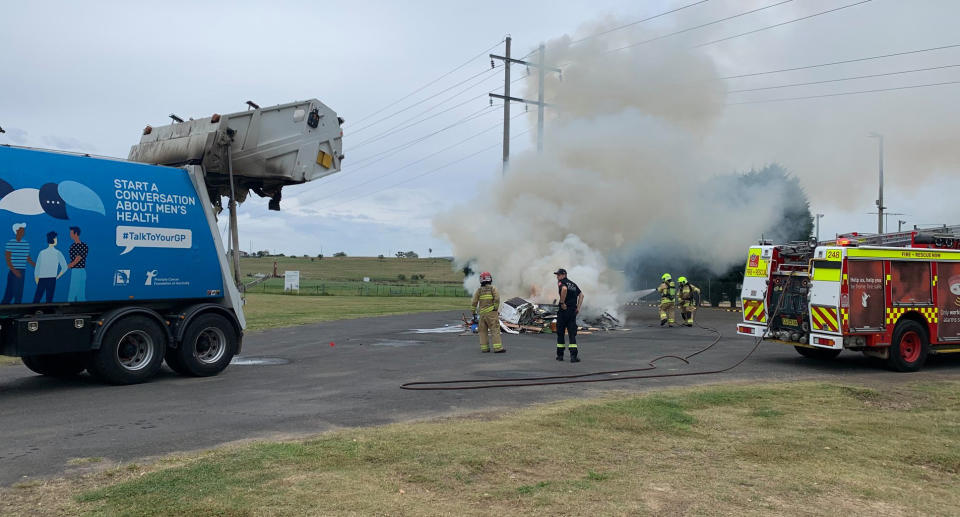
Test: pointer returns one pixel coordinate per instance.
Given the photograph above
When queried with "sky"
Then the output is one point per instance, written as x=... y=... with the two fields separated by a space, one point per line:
x=88 y=77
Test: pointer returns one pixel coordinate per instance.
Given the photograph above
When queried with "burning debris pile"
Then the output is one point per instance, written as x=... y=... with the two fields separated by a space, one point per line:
x=520 y=315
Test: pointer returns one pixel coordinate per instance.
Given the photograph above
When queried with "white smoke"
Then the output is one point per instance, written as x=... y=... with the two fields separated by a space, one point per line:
x=630 y=154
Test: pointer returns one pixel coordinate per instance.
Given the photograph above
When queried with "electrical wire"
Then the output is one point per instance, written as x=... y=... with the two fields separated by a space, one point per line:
x=842 y=94
x=388 y=117
x=391 y=172
x=857 y=60
x=631 y=24
x=688 y=29
x=825 y=81
x=781 y=24
x=366 y=160
x=425 y=86
x=413 y=121
x=429 y=172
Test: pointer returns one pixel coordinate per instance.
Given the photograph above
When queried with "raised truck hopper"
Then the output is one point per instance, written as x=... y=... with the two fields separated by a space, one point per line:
x=260 y=149
x=267 y=148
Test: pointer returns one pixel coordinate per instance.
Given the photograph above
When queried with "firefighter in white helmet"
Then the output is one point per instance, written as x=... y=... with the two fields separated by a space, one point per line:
x=668 y=299
x=688 y=296
x=486 y=304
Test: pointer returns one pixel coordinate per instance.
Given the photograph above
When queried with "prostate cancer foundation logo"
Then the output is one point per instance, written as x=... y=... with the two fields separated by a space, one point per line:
x=150 y=276
x=121 y=277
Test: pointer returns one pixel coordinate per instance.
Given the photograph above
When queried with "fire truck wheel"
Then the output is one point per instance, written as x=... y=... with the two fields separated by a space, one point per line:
x=910 y=345
x=131 y=351
x=56 y=365
x=208 y=345
x=817 y=353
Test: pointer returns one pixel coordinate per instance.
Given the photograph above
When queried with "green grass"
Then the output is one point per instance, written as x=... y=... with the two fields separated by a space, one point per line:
x=264 y=311
x=344 y=276
x=6 y=360
x=780 y=449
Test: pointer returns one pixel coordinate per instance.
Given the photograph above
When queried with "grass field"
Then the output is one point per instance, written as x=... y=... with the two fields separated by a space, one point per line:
x=774 y=449
x=436 y=270
x=344 y=276
x=264 y=311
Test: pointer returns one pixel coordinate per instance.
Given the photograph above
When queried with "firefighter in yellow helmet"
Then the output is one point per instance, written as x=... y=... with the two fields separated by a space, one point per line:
x=688 y=296
x=486 y=303
x=668 y=299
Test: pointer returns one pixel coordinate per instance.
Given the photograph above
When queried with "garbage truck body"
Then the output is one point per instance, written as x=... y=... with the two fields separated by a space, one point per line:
x=114 y=266
x=891 y=296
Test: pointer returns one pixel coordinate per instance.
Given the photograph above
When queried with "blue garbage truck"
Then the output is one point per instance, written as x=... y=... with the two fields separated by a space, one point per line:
x=114 y=266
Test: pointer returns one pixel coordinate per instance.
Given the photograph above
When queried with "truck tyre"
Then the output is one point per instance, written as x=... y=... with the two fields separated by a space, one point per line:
x=208 y=345
x=57 y=365
x=909 y=348
x=131 y=351
x=172 y=358
x=823 y=354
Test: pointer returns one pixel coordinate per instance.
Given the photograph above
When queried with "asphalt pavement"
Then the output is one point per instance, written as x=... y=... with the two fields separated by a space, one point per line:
x=309 y=379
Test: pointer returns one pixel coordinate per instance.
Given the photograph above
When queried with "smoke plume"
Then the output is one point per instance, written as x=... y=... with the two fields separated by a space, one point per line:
x=630 y=173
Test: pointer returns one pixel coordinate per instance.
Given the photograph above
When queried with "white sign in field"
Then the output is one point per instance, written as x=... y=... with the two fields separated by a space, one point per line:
x=291 y=280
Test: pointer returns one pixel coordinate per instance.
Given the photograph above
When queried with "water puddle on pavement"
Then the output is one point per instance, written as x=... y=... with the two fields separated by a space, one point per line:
x=397 y=342
x=455 y=328
x=258 y=361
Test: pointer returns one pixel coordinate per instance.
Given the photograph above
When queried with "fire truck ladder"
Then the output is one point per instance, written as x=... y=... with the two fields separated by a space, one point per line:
x=897 y=239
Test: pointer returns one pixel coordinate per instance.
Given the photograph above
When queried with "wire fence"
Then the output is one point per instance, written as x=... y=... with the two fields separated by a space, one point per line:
x=321 y=288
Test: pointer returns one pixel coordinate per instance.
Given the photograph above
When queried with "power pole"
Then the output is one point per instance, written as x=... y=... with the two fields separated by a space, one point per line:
x=506 y=106
x=540 y=71
x=880 y=206
x=507 y=98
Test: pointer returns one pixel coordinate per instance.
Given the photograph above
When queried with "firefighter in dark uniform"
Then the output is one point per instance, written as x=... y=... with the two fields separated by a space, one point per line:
x=571 y=299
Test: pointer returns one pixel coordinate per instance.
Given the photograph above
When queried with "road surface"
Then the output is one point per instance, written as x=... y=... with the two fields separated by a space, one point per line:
x=46 y=422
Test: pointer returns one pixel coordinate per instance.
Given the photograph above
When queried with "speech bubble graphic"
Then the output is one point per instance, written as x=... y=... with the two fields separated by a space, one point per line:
x=131 y=237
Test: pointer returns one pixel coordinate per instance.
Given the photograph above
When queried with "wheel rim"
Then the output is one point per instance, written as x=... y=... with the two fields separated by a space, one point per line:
x=210 y=345
x=910 y=346
x=135 y=350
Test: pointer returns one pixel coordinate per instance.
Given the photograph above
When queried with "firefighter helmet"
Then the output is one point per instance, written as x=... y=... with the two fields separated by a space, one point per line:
x=682 y=280
x=486 y=277
x=666 y=276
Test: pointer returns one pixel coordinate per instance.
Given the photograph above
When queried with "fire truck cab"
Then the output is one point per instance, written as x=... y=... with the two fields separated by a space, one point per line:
x=899 y=301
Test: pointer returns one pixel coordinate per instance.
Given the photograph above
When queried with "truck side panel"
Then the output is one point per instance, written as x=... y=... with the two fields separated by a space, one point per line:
x=948 y=301
x=143 y=231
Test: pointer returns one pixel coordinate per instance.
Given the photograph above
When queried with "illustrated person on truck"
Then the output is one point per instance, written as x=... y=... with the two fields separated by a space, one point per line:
x=78 y=267
x=51 y=265
x=17 y=255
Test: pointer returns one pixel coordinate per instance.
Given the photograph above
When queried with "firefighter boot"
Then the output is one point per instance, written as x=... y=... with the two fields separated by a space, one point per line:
x=560 y=352
x=573 y=356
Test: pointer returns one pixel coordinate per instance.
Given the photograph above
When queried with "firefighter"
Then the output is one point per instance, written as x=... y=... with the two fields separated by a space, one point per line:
x=486 y=304
x=668 y=299
x=688 y=295
x=571 y=299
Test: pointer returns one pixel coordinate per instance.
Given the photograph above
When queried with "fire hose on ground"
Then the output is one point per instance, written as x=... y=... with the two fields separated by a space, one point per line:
x=582 y=378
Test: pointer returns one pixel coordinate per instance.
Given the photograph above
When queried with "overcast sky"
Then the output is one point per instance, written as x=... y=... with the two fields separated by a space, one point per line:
x=87 y=76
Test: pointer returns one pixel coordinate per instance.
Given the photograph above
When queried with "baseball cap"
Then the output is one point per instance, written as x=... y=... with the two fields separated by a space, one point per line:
x=17 y=226
x=560 y=271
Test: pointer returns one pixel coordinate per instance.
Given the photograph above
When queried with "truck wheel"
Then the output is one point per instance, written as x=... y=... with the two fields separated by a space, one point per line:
x=131 y=351
x=57 y=365
x=208 y=345
x=172 y=358
x=909 y=348
x=818 y=353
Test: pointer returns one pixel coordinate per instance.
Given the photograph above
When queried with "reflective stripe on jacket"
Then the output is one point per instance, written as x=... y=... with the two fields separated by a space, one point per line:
x=486 y=299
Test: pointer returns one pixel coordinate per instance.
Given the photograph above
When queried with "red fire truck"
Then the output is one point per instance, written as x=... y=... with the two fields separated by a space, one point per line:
x=892 y=296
